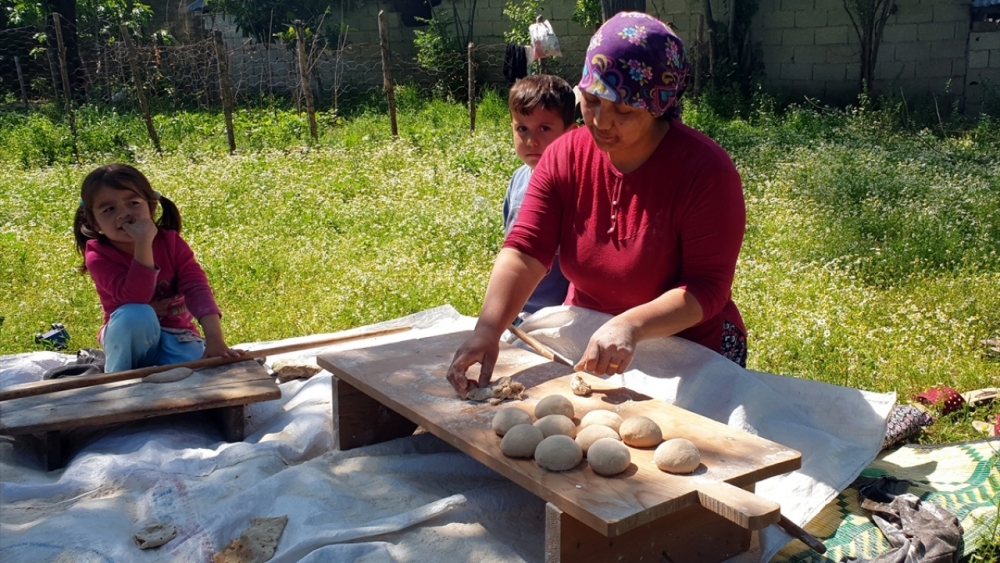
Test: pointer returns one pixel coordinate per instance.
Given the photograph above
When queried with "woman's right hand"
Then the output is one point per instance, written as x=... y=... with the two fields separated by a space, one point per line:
x=480 y=348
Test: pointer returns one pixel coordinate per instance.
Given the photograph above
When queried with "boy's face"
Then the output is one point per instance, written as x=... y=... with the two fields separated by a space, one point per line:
x=533 y=133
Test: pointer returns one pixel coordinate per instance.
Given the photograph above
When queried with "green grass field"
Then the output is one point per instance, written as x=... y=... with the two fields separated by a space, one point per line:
x=872 y=256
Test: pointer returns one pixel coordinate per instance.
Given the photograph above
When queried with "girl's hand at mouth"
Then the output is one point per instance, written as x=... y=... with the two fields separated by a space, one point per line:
x=141 y=230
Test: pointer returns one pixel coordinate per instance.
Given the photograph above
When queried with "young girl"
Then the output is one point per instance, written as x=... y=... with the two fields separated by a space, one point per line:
x=150 y=285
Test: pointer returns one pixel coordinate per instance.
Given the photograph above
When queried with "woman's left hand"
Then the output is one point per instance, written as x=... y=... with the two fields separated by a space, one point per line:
x=213 y=350
x=611 y=348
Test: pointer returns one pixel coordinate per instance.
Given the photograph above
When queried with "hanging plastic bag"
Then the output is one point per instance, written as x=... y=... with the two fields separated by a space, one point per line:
x=543 y=40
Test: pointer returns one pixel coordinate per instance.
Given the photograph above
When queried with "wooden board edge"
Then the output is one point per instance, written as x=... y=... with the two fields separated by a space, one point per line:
x=102 y=420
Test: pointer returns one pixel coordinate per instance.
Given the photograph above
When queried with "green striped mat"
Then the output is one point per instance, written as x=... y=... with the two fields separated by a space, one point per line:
x=964 y=478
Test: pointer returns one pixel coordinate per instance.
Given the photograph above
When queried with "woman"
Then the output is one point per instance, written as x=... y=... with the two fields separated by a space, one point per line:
x=648 y=215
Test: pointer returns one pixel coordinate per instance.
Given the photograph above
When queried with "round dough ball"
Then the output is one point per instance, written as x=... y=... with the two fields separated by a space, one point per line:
x=554 y=404
x=640 y=432
x=558 y=453
x=521 y=441
x=608 y=456
x=556 y=424
x=505 y=419
x=678 y=455
x=593 y=433
x=602 y=417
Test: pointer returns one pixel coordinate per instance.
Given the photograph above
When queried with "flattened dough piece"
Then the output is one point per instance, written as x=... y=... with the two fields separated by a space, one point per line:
x=558 y=453
x=168 y=376
x=155 y=535
x=256 y=544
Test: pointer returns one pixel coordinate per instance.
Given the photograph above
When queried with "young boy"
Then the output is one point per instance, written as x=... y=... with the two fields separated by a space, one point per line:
x=541 y=109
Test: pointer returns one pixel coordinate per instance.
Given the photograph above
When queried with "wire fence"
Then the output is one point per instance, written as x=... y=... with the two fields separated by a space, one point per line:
x=105 y=64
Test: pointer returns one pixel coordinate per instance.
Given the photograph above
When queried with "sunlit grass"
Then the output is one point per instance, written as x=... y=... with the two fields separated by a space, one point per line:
x=872 y=256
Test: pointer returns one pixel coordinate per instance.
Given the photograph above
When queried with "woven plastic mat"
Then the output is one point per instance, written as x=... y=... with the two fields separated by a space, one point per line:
x=964 y=478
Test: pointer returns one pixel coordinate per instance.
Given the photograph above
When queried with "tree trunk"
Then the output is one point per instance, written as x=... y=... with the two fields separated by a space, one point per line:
x=611 y=7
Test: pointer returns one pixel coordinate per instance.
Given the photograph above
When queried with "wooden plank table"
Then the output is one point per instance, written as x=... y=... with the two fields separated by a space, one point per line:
x=384 y=392
x=225 y=389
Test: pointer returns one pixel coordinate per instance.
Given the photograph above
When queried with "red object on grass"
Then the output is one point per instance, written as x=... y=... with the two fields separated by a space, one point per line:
x=944 y=398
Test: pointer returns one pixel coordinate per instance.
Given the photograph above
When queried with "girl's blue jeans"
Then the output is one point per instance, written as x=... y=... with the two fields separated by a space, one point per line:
x=133 y=339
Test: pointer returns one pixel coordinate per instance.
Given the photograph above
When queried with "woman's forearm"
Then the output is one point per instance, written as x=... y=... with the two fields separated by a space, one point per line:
x=668 y=314
x=514 y=277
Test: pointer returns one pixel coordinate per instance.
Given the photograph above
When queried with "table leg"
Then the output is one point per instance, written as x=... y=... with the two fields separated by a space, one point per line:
x=359 y=420
x=52 y=450
x=690 y=535
x=231 y=420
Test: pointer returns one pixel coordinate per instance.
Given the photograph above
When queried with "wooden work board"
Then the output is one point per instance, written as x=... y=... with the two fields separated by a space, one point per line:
x=226 y=388
x=408 y=378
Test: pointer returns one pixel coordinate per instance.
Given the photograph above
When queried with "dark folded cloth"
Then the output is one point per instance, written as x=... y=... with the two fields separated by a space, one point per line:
x=918 y=531
x=89 y=361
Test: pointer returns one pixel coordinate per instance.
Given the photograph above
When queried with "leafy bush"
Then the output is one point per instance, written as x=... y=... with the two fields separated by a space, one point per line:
x=443 y=54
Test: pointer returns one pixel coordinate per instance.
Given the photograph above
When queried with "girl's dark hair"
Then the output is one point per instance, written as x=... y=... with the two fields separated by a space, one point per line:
x=117 y=177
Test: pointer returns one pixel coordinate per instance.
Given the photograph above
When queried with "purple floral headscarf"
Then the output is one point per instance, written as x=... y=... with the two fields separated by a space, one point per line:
x=636 y=59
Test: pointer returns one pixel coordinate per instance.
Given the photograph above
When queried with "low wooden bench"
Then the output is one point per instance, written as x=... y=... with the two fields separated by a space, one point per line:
x=383 y=392
x=225 y=389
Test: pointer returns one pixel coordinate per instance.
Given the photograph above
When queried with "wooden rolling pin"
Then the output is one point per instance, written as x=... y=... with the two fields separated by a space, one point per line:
x=51 y=386
x=540 y=348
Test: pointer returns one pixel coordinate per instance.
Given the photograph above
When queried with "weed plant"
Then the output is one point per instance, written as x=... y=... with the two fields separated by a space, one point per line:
x=871 y=259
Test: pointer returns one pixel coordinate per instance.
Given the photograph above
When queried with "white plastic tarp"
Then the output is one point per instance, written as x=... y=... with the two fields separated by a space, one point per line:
x=409 y=500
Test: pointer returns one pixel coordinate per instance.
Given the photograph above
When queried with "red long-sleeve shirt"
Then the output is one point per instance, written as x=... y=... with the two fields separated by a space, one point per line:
x=177 y=285
x=679 y=221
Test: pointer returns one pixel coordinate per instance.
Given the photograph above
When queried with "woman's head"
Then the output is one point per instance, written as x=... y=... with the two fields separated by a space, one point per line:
x=635 y=59
x=117 y=177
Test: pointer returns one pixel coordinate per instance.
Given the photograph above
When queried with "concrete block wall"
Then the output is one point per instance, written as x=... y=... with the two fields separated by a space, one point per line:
x=810 y=47
x=807 y=47
x=491 y=24
x=983 y=70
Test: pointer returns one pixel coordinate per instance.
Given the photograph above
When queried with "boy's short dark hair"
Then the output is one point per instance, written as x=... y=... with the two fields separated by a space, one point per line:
x=545 y=90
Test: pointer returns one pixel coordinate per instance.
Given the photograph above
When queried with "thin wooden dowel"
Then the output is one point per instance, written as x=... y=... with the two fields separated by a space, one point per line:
x=20 y=79
x=225 y=87
x=472 y=90
x=540 y=348
x=51 y=386
x=300 y=40
x=133 y=63
x=798 y=533
x=390 y=89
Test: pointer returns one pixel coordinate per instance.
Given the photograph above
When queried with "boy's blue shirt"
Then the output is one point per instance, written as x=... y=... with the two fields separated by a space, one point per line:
x=553 y=287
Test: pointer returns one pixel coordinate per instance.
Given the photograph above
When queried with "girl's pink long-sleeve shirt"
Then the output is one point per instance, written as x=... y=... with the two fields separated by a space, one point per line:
x=177 y=287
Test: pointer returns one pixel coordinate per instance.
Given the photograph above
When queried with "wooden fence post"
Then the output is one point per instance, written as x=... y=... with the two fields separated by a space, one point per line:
x=133 y=63
x=64 y=73
x=304 y=73
x=541 y=61
x=390 y=91
x=222 y=57
x=20 y=79
x=472 y=91
x=697 y=55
